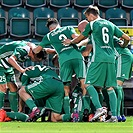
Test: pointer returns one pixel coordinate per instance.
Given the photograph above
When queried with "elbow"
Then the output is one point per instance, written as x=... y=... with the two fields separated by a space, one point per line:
x=128 y=38
x=10 y=60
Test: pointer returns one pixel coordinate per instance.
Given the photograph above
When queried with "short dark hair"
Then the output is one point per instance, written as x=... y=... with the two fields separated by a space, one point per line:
x=92 y=9
x=42 y=54
x=51 y=21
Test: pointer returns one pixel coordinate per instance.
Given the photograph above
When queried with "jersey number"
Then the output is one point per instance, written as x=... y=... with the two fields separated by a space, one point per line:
x=105 y=34
x=2 y=79
x=62 y=36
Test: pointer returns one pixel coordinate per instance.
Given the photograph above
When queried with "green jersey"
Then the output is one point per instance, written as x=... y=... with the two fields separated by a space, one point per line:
x=17 y=48
x=120 y=50
x=102 y=33
x=55 y=38
x=37 y=74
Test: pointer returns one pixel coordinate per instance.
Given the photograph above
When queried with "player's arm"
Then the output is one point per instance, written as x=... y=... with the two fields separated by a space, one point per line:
x=13 y=61
x=78 y=39
x=37 y=49
x=83 y=42
x=45 y=41
x=87 y=51
x=126 y=40
x=119 y=33
x=74 y=41
x=50 y=51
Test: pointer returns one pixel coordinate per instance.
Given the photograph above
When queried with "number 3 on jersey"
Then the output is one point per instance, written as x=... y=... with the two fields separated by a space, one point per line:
x=62 y=37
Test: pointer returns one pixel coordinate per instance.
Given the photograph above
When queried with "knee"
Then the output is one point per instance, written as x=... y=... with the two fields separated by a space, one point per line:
x=21 y=91
x=3 y=88
x=55 y=117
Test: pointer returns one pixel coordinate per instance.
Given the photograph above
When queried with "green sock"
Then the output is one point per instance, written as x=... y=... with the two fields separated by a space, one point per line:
x=86 y=102
x=101 y=97
x=94 y=96
x=17 y=116
x=30 y=103
x=2 y=96
x=66 y=117
x=113 y=102
x=122 y=103
x=66 y=105
x=106 y=98
x=13 y=99
x=119 y=98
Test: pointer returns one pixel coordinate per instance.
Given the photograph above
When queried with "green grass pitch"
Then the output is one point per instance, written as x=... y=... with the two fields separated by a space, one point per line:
x=67 y=127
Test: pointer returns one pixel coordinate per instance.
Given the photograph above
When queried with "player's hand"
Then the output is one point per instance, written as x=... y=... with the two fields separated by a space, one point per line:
x=28 y=68
x=66 y=42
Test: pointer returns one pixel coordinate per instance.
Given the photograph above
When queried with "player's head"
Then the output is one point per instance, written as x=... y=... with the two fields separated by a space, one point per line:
x=42 y=55
x=82 y=25
x=52 y=23
x=92 y=13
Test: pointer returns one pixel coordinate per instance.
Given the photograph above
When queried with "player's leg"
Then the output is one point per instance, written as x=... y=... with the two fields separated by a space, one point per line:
x=126 y=72
x=118 y=91
x=66 y=73
x=3 y=86
x=80 y=70
x=13 y=96
x=56 y=102
x=26 y=97
x=11 y=84
x=95 y=78
x=110 y=85
x=66 y=101
x=19 y=116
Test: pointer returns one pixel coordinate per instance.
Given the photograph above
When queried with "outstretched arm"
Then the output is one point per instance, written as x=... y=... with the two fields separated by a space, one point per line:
x=50 y=51
x=37 y=49
x=74 y=41
x=13 y=62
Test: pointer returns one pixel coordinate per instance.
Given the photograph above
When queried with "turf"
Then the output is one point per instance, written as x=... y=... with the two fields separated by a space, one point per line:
x=67 y=127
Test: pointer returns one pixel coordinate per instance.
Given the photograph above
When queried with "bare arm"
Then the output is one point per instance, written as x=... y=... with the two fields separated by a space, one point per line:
x=37 y=49
x=126 y=40
x=13 y=62
x=83 y=42
x=74 y=41
x=50 y=51
x=87 y=51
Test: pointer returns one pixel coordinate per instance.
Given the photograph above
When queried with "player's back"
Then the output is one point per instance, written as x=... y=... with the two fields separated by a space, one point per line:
x=37 y=74
x=57 y=36
x=7 y=49
x=102 y=35
x=103 y=31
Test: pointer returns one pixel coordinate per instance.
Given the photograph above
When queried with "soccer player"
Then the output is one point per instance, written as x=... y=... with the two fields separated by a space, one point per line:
x=101 y=72
x=45 y=85
x=70 y=59
x=124 y=70
x=10 y=54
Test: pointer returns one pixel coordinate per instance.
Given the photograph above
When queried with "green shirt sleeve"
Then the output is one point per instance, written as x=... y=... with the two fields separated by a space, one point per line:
x=45 y=41
x=72 y=30
x=118 y=32
x=87 y=30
